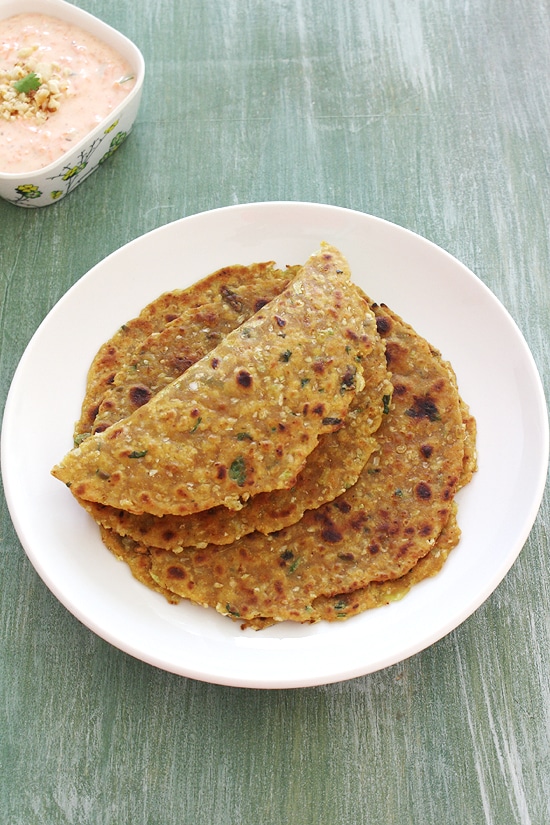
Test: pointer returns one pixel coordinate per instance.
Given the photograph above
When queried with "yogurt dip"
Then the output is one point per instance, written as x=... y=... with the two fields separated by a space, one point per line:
x=71 y=82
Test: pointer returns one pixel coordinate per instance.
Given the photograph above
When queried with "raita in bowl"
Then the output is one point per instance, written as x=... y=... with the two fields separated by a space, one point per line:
x=70 y=88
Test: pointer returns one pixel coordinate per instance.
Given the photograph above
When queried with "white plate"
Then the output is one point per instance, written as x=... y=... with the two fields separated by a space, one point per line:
x=442 y=299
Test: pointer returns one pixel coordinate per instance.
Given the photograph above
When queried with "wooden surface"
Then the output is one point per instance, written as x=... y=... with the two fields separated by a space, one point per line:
x=433 y=114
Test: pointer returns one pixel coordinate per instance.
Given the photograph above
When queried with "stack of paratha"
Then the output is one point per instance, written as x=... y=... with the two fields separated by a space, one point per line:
x=273 y=445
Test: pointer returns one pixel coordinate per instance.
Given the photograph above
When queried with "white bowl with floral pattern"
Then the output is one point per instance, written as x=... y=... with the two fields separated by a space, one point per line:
x=49 y=184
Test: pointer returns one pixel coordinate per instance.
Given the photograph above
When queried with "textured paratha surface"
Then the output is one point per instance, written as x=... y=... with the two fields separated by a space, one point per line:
x=330 y=469
x=167 y=353
x=376 y=594
x=370 y=514
x=222 y=286
x=324 y=608
x=243 y=419
x=376 y=531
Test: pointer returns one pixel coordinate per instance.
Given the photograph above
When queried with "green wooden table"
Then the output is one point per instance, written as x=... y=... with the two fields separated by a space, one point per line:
x=429 y=113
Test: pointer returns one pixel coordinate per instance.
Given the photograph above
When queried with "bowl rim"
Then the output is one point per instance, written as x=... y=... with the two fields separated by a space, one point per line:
x=103 y=31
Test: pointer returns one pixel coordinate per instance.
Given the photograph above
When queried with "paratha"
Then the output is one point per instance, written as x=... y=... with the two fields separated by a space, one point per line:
x=375 y=594
x=167 y=353
x=325 y=608
x=375 y=532
x=330 y=469
x=115 y=353
x=345 y=605
x=243 y=419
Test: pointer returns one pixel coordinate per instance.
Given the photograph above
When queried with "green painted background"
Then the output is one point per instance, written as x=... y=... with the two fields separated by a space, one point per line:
x=433 y=114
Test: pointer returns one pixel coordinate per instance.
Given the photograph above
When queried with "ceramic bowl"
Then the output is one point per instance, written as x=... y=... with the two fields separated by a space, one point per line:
x=51 y=183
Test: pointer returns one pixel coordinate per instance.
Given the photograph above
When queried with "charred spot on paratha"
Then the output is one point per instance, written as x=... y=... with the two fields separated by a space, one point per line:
x=139 y=395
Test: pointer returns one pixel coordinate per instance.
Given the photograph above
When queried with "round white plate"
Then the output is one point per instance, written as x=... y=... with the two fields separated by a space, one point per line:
x=442 y=299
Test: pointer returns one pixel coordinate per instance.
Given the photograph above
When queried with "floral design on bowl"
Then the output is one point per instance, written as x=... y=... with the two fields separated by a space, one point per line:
x=71 y=176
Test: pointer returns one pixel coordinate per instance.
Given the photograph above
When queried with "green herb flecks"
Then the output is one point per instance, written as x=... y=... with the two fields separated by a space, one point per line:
x=285 y=356
x=237 y=471
x=197 y=422
x=232 y=611
x=29 y=83
x=244 y=437
x=386 y=402
x=137 y=454
x=78 y=439
x=294 y=565
x=305 y=381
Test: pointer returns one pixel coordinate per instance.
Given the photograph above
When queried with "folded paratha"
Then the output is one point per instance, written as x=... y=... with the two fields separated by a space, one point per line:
x=377 y=531
x=242 y=420
x=167 y=353
x=330 y=469
x=224 y=286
